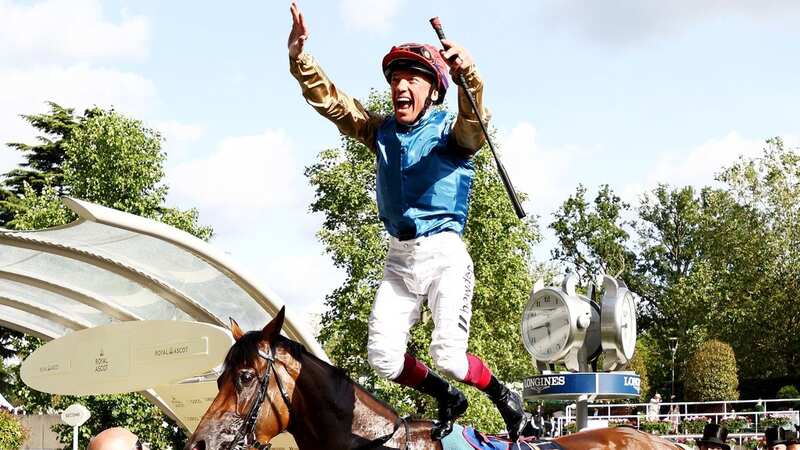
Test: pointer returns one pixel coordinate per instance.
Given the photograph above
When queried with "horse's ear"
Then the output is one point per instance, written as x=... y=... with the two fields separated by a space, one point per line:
x=235 y=330
x=273 y=328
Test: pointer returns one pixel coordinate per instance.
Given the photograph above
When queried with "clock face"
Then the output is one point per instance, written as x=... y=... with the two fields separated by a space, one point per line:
x=546 y=325
x=627 y=320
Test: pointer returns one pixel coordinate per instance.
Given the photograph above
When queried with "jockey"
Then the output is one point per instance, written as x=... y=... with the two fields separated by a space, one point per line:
x=424 y=176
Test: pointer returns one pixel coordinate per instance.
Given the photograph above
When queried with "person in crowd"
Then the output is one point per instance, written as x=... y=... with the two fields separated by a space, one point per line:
x=654 y=408
x=776 y=438
x=792 y=440
x=674 y=417
x=714 y=438
x=116 y=438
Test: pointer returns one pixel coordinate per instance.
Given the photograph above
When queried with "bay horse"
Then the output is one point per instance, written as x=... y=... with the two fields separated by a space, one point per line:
x=271 y=384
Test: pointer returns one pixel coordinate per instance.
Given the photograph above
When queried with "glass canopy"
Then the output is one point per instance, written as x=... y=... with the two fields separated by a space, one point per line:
x=109 y=266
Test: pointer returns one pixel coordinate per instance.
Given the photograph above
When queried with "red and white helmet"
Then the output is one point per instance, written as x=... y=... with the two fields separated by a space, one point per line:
x=421 y=57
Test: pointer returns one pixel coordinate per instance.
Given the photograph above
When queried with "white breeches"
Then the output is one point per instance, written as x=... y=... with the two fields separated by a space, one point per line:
x=437 y=269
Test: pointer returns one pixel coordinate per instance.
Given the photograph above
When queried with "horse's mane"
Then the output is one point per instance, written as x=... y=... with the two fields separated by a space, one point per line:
x=246 y=349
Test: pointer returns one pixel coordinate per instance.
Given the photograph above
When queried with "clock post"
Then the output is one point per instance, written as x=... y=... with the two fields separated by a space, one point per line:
x=561 y=326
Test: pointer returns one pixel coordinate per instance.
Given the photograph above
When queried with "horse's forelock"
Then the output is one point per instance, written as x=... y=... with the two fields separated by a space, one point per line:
x=245 y=350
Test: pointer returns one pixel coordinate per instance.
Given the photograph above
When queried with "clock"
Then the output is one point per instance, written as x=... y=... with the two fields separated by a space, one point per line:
x=554 y=323
x=617 y=324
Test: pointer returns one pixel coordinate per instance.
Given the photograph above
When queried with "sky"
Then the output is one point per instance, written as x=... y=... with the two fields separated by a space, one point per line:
x=631 y=93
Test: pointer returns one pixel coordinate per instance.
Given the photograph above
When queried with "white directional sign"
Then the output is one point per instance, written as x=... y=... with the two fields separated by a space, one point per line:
x=126 y=357
x=75 y=415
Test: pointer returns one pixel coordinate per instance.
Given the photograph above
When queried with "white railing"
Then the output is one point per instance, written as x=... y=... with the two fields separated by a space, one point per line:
x=601 y=414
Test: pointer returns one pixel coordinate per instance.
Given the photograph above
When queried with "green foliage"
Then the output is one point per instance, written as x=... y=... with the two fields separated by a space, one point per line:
x=12 y=433
x=712 y=373
x=591 y=237
x=35 y=210
x=344 y=180
x=735 y=424
x=131 y=411
x=656 y=426
x=693 y=425
x=788 y=391
x=43 y=161
x=774 y=420
x=116 y=161
x=639 y=364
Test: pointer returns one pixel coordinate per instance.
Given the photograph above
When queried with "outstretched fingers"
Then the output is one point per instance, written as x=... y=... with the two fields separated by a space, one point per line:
x=299 y=33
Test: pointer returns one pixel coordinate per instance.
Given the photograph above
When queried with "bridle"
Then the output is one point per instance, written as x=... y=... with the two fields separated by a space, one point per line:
x=245 y=436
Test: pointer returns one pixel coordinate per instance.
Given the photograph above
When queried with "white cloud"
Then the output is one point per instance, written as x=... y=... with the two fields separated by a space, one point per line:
x=544 y=174
x=244 y=173
x=696 y=167
x=72 y=29
x=174 y=131
x=25 y=91
x=631 y=20
x=303 y=280
x=177 y=137
x=369 y=15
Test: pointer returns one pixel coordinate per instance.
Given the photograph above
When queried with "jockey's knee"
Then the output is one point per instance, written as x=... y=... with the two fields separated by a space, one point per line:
x=387 y=364
x=452 y=364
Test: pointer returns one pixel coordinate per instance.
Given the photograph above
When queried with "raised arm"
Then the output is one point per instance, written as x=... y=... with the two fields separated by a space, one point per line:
x=467 y=129
x=349 y=116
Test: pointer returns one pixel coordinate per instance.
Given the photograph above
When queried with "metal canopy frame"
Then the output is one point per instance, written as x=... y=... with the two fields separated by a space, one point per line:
x=109 y=266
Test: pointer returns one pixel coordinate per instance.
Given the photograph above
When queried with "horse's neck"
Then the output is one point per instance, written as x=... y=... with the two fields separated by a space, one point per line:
x=336 y=410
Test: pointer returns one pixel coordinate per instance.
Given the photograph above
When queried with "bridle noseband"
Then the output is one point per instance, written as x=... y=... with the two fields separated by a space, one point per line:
x=246 y=434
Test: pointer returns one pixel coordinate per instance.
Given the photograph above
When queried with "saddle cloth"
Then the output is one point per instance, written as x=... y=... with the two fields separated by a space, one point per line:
x=468 y=438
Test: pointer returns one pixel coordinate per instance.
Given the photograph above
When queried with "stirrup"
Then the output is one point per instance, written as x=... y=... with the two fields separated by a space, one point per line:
x=522 y=429
x=440 y=430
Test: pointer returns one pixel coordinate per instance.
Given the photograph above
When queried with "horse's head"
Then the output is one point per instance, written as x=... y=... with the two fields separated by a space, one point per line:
x=255 y=391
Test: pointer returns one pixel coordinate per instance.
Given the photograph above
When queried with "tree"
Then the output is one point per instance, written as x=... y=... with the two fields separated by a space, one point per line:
x=344 y=180
x=592 y=238
x=12 y=434
x=712 y=374
x=723 y=264
x=43 y=161
x=116 y=161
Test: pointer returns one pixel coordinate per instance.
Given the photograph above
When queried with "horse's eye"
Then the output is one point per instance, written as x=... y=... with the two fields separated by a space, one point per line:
x=246 y=377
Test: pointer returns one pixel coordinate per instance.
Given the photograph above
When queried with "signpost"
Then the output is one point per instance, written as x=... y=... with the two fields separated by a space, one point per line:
x=75 y=415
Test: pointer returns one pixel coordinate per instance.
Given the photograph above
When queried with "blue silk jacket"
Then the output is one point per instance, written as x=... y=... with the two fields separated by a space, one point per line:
x=423 y=184
x=424 y=170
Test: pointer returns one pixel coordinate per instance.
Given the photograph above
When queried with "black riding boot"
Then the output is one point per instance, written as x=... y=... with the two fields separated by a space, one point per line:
x=509 y=404
x=452 y=403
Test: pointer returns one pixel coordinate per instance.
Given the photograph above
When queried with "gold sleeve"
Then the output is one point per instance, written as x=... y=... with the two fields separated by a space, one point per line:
x=467 y=129
x=349 y=116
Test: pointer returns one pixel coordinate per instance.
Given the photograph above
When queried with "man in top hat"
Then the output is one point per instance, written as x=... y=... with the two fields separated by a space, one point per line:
x=792 y=440
x=776 y=438
x=714 y=437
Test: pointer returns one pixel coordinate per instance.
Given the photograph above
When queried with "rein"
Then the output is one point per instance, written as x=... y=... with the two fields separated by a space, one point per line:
x=246 y=437
x=384 y=439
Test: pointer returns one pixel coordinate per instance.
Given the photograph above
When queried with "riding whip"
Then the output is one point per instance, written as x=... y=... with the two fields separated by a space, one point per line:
x=512 y=194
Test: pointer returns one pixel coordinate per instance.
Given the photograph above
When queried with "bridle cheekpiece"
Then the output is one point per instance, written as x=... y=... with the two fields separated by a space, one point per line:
x=246 y=434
